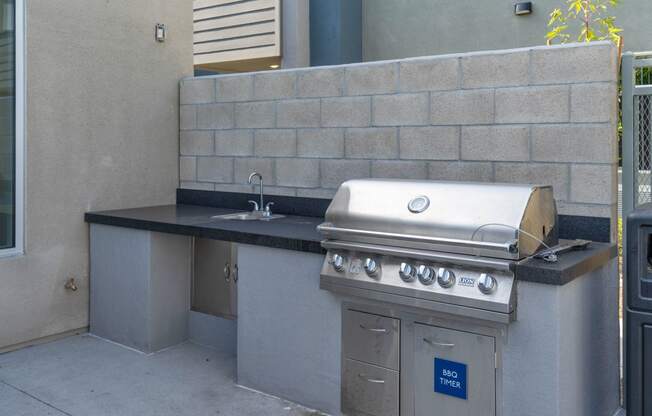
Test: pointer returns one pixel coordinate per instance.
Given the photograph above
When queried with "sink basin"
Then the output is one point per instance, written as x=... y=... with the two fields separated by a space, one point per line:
x=247 y=216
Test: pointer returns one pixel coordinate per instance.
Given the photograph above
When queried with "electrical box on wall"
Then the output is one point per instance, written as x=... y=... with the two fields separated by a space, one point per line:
x=160 y=32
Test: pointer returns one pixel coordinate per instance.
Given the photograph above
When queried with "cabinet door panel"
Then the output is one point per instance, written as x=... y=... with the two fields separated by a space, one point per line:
x=214 y=288
x=454 y=371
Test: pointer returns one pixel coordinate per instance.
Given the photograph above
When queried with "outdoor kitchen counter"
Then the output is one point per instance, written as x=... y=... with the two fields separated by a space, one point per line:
x=299 y=233
x=292 y=232
x=289 y=332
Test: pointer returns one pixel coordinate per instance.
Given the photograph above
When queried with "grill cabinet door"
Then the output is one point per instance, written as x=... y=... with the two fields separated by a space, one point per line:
x=214 y=288
x=455 y=373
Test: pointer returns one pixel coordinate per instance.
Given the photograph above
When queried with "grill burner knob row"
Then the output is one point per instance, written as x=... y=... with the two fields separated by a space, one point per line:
x=338 y=262
x=407 y=272
x=487 y=284
x=371 y=267
x=426 y=274
x=445 y=277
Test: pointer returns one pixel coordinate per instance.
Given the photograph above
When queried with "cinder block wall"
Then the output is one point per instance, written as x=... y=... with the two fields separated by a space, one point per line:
x=536 y=115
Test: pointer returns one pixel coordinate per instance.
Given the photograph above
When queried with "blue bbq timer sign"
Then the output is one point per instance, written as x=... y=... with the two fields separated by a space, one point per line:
x=450 y=378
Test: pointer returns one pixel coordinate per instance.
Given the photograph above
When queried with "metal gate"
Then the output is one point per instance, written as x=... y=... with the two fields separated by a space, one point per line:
x=637 y=130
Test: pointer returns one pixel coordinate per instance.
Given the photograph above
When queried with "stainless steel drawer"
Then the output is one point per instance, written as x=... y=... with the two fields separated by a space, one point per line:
x=369 y=390
x=371 y=338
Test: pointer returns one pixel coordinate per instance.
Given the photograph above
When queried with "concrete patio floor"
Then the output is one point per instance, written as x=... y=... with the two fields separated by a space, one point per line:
x=86 y=376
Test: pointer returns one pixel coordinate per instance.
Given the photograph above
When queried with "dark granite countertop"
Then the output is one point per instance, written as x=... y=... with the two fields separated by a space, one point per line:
x=570 y=265
x=291 y=232
x=192 y=216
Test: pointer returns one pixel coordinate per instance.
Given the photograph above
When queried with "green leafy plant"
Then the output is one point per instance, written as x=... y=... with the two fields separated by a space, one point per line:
x=592 y=17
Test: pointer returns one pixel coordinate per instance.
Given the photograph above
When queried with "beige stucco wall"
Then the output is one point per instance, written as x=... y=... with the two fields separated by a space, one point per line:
x=400 y=29
x=102 y=133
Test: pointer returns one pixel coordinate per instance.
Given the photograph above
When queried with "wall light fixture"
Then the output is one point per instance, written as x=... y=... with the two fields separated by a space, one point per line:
x=523 y=8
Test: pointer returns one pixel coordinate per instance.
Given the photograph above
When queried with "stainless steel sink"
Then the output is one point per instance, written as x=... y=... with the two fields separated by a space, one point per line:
x=247 y=216
x=261 y=212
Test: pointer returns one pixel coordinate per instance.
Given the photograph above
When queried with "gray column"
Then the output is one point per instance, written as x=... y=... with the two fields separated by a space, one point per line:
x=335 y=32
x=295 y=34
x=139 y=287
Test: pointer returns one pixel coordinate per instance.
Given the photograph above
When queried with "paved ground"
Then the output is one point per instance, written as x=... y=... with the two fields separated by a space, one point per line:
x=87 y=376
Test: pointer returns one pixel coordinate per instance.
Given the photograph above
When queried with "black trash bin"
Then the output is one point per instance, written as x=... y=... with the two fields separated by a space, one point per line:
x=638 y=312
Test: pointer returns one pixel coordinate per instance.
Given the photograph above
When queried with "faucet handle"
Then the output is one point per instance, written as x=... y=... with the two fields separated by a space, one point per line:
x=268 y=207
x=255 y=204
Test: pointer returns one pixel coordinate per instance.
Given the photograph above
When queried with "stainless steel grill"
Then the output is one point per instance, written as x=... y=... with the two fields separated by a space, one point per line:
x=443 y=246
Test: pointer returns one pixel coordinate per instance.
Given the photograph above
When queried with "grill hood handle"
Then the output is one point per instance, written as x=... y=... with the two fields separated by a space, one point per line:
x=331 y=231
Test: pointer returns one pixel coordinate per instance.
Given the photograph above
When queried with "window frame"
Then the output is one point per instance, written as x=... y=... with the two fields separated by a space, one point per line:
x=19 y=115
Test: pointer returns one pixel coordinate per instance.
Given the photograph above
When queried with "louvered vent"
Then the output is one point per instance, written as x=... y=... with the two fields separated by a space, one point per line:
x=229 y=31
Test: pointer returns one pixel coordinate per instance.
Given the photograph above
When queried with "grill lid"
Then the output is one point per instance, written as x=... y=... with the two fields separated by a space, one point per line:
x=455 y=217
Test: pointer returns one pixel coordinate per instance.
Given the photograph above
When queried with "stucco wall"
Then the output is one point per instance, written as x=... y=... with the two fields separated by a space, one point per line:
x=540 y=115
x=102 y=132
x=400 y=29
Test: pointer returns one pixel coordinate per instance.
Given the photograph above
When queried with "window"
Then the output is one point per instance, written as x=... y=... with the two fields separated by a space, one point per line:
x=11 y=127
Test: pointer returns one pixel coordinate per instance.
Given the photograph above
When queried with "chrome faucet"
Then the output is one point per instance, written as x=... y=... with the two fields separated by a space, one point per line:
x=265 y=210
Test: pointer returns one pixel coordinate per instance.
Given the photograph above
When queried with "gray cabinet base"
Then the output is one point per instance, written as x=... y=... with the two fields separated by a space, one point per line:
x=288 y=329
x=213 y=331
x=139 y=287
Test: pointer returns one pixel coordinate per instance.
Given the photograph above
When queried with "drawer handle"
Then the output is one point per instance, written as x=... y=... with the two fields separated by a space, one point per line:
x=371 y=380
x=438 y=344
x=227 y=271
x=378 y=330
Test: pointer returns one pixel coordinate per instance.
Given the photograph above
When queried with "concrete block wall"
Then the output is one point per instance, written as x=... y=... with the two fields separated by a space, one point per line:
x=535 y=115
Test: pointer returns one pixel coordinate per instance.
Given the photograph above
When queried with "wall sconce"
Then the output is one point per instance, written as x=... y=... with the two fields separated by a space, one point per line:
x=523 y=8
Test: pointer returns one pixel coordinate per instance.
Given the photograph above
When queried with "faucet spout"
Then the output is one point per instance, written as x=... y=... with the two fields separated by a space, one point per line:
x=250 y=181
x=252 y=176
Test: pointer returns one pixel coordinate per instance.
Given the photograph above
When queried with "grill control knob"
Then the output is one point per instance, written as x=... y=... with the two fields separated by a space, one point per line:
x=487 y=284
x=338 y=262
x=426 y=274
x=371 y=267
x=407 y=272
x=445 y=277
